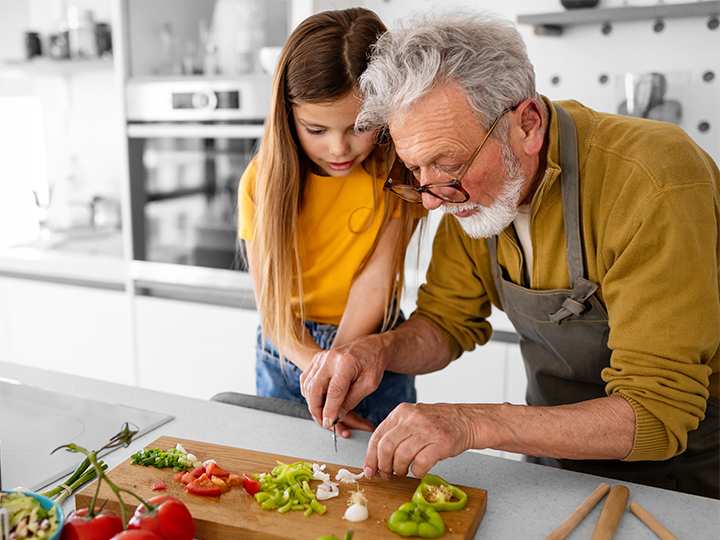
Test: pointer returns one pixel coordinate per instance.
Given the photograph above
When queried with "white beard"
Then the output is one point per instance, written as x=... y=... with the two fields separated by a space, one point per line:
x=492 y=220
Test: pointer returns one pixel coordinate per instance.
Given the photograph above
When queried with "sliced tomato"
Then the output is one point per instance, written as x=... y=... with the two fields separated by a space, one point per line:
x=251 y=485
x=220 y=483
x=235 y=481
x=197 y=473
x=159 y=486
x=187 y=478
x=204 y=478
x=212 y=469
x=205 y=489
x=178 y=476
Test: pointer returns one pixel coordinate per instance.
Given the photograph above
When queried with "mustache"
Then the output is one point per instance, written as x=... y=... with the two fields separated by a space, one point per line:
x=450 y=208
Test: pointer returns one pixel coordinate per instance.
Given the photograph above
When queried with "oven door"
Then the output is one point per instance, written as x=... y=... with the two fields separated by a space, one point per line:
x=184 y=178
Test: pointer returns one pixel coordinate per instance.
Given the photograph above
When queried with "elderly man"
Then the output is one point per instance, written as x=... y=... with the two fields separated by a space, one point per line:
x=597 y=235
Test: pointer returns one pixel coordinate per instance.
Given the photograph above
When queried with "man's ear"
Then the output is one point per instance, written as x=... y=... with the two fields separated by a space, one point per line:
x=530 y=126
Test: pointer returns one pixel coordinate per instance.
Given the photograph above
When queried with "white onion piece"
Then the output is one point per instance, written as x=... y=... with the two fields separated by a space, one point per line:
x=347 y=477
x=356 y=512
x=327 y=490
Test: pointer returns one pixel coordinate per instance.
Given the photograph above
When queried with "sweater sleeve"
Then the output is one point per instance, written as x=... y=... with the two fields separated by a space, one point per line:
x=661 y=292
x=454 y=297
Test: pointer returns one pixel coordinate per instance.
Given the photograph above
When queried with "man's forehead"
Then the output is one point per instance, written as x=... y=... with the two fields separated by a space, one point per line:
x=440 y=122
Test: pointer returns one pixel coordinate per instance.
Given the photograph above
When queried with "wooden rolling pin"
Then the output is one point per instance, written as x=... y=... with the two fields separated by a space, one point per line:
x=567 y=526
x=651 y=522
x=611 y=514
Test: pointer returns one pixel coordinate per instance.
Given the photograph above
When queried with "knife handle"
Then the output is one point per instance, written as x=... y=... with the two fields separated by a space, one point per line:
x=611 y=514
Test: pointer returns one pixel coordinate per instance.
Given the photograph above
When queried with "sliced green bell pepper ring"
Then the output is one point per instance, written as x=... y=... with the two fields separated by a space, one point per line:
x=440 y=495
x=417 y=519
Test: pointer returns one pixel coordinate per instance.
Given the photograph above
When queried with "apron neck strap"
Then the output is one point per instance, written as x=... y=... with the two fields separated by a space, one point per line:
x=570 y=181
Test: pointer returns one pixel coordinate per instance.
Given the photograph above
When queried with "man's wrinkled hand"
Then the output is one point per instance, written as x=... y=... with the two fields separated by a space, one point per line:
x=338 y=379
x=415 y=437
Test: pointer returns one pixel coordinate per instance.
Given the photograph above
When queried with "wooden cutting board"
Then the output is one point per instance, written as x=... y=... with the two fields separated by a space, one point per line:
x=235 y=514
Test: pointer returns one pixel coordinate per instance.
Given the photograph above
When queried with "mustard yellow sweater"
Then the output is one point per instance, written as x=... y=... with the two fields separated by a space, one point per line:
x=649 y=211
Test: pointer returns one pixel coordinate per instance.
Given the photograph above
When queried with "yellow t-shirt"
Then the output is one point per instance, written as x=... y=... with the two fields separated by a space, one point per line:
x=333 y=235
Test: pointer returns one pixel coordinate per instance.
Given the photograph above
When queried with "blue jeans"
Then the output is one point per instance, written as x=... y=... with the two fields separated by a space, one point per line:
x=284 y=382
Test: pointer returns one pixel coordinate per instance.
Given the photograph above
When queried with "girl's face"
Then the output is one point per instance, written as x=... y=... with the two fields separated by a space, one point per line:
x=326 y=132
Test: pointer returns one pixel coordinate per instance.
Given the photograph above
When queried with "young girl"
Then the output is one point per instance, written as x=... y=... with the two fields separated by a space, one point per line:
x=325 y=244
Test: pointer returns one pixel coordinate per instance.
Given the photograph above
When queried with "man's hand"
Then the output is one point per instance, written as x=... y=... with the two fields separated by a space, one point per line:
x=420 y=434
x=338 y=379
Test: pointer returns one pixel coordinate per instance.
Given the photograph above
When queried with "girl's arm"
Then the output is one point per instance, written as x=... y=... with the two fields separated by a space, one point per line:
x=368 y=294
x=298 y=355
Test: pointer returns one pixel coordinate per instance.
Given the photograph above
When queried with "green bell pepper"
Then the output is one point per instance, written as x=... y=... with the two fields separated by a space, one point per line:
x=440 y=495
x=417 y=519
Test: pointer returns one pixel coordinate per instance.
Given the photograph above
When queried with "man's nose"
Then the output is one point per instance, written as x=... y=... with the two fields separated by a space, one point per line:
x=430 y=202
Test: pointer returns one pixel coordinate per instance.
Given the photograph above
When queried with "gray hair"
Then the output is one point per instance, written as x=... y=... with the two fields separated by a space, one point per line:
x=481 y=52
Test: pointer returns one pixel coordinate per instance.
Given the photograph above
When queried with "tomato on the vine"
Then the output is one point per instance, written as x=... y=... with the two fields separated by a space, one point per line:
x=169 y=519
x=104 y=525
x=136 y=535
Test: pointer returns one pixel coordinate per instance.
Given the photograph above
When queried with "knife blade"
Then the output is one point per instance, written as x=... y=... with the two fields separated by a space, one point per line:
x=335 y=435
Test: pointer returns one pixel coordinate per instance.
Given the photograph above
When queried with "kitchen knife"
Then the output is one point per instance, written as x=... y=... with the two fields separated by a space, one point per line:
x=335 y=435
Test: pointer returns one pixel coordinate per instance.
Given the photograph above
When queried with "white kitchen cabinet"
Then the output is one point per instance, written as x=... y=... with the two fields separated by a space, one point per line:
x=194 y=349
x=67 y=328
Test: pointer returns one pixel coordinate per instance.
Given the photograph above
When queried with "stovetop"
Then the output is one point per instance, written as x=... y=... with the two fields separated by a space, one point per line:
x=33 y=422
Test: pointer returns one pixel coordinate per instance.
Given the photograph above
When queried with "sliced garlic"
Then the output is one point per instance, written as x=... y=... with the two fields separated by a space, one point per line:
x=347 y=477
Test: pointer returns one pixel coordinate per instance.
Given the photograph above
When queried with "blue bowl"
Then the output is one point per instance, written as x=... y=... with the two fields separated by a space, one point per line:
x=46 y=503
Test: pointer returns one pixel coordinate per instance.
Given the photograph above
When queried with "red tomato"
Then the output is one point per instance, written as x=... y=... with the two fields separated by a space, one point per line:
x=251 y=485
x=178 y=476
x=169 y=520
x=187 y=478
x=235 y=481
x=205 y=489
x=103 y=526
x=136 y=535
x=159 y=486
x=213 y=470
x=197 y=473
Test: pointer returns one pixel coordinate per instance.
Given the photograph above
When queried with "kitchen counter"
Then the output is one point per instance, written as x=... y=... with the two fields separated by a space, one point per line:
x=91 y=261
x=524 y=500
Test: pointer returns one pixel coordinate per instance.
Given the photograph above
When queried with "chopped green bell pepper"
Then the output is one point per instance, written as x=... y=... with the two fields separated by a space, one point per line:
x=440 y=495
x=417 y=519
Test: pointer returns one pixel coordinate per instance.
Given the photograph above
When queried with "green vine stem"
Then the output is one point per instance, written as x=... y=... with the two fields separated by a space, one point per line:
x=121 y=439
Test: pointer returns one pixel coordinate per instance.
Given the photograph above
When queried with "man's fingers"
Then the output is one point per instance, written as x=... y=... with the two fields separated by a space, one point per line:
x=335 y=398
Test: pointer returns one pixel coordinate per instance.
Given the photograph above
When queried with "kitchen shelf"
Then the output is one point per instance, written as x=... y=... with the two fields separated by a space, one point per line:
x=553 y=23
x=62 y=68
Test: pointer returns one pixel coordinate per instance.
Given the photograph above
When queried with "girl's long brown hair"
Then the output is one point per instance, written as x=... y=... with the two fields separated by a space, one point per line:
x=321 y=62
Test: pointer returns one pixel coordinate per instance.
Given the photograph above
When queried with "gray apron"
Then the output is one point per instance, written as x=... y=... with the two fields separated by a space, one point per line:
x=563 y=339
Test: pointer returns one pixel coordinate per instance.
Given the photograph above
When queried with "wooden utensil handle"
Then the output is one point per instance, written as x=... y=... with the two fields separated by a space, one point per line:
x=611 y=514
x=567 y=526
x=651 y=522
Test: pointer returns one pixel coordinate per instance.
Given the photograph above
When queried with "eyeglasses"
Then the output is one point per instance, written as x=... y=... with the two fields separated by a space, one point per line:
x=451 y=191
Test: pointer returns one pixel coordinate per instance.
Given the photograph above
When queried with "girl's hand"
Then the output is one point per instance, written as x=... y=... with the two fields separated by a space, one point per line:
x=353 y=421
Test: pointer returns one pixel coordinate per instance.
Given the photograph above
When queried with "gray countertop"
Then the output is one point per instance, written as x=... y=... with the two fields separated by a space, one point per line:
x=524 y=500
x=92 y=262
